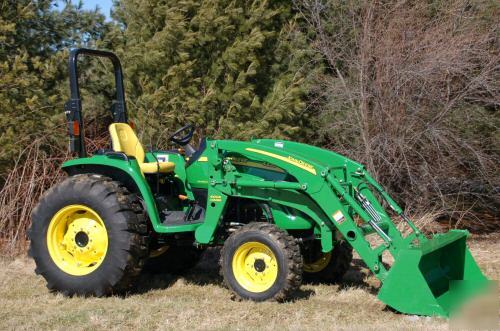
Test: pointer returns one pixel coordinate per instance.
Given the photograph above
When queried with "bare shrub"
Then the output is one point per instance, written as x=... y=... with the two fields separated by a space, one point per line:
x=36 y=169
x=412 y=90
x=34 y=172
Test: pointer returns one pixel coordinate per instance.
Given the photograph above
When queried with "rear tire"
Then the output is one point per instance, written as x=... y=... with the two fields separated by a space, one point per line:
x=261 y=262
x=88 y=236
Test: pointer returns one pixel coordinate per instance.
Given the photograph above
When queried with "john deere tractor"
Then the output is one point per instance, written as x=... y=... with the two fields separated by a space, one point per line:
x=280 y=210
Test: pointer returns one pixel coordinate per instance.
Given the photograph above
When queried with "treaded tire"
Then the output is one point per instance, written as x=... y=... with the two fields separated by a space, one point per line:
x=286 y=251
x=336 y=268
x=175 y=260
x=125 y=223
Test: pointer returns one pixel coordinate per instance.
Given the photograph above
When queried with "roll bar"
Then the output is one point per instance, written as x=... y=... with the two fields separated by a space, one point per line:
x=73 y=107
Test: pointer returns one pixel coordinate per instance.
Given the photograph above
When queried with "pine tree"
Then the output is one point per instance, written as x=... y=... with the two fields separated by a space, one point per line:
x=34 y=38
x=236 y=69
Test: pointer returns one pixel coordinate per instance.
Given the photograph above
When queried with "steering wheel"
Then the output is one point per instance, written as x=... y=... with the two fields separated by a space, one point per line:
x=184 y=140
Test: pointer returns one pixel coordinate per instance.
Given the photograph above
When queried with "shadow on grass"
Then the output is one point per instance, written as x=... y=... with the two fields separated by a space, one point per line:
x=206 y=272
x=148 y=282
x=356 y=276
x=301 y=294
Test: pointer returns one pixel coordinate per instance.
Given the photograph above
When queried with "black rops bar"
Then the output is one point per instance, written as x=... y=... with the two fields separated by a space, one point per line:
x=73 y=108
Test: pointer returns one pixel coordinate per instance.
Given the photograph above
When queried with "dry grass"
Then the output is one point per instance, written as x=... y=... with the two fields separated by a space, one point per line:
x=198 y=301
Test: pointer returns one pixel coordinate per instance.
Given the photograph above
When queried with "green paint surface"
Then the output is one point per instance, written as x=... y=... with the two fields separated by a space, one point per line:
x=311 y=189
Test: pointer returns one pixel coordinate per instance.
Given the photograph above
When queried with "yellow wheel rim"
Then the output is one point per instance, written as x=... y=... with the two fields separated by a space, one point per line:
x=319 y=264
x=255 y=267
x=159 y=251
x=77 y=240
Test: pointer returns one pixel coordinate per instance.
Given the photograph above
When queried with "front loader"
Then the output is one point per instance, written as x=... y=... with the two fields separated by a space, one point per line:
x=280 y=210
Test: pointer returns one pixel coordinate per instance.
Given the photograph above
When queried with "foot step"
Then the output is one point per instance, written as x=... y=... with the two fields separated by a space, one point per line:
x=175 y=217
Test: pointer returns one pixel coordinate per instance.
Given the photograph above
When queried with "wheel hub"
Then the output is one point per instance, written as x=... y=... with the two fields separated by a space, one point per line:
x=82 y=239
x=255 y=267
x=77 y=240
x=259 y=265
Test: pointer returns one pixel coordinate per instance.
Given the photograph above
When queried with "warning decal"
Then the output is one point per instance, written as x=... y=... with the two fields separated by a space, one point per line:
x=338 y=217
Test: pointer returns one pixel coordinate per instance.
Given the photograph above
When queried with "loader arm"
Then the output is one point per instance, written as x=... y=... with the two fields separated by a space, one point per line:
x=339 y=195
x=316 y=192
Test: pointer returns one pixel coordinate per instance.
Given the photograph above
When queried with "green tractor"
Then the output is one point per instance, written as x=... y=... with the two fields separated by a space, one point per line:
x=280 y=210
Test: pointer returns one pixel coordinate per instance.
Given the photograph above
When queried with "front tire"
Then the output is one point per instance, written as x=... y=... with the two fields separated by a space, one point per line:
x=261 y=262
x=328 y=268
x=88 y=236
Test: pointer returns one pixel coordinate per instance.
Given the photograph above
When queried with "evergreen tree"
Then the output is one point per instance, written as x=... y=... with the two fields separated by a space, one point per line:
x=236 y=69
x=33 y=69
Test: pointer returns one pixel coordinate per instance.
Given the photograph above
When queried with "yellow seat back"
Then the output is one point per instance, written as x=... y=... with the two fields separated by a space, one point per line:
x=125 y=140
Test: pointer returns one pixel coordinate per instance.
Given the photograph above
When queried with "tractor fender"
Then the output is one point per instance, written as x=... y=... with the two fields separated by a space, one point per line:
x=293 y=211
x=289 y=218
x=126 y=172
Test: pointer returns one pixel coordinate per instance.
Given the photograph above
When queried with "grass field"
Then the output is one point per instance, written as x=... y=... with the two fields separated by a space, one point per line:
x=198 y=301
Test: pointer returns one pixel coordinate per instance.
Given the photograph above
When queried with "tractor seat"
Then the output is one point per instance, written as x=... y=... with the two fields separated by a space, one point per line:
x=124 y=140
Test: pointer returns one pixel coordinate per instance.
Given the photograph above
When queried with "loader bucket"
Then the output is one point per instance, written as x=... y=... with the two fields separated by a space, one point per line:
x=434 y=278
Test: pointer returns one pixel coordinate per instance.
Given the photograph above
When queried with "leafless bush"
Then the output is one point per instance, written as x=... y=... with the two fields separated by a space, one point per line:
x=412 y=92
x=36 y=169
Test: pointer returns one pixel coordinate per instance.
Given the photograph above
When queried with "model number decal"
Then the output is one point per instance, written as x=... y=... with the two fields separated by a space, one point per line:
x=291 y=160
x=305 y=165
x=215 y=198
